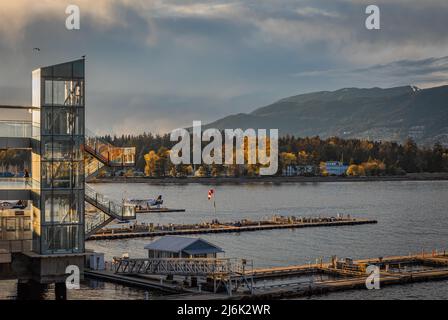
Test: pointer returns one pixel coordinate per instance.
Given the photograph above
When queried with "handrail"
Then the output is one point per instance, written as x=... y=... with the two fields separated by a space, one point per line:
x=119 y=211
x=184 y=266
x=107 y=153
x=96 y=222
x=18 y=184
x=16 y=129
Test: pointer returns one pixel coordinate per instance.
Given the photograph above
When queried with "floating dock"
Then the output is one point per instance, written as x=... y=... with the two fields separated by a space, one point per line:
x=158 y=210
x=291 y=281
x=142 y=231
x=399 y=270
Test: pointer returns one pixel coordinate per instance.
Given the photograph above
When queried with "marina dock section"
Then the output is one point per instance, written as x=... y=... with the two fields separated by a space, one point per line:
x=276 y=222
x=158 y=210
x=215 y=279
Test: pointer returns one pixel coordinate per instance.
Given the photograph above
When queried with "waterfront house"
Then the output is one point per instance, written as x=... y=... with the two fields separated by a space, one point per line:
x=182 y=247
x=336 y=168
x=295 y=170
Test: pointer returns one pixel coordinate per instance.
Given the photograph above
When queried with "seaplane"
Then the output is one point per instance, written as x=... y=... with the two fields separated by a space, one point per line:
x=146 y=203
x=5 y=205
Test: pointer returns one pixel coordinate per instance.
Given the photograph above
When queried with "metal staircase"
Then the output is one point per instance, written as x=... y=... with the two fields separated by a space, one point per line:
x=96 y=222
x=92 y=166
x=109 y=211
x=100 y=153
x=108 y=154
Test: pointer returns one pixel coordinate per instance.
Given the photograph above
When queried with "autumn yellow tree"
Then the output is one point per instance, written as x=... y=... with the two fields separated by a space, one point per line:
x=356 y=170
x=323 y=169
x=151 y=160
x=201 y=172
x=374 y=167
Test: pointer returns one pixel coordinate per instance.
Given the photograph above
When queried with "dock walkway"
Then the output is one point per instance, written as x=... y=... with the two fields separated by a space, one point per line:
x=429 y=267
x=112 y=234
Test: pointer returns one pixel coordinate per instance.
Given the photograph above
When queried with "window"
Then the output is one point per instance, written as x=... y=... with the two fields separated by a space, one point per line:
x=48 y=92
x=62 y=121
x=64 y=93
x=61 y=148
x=62 y=208
x=11 y=224
x=61 y=239
x=27 y=224
x=62 y=175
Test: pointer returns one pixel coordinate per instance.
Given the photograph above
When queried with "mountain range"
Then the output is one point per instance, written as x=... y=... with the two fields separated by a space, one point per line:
x=392 y=114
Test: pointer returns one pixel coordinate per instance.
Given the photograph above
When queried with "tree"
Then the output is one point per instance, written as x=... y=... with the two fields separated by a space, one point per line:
x=409 y=161
x=374 y=167
x=163 y=163
x=356 y=171
x=201 y=172
x=173 y=172
x=151 y=163
x=287 y=159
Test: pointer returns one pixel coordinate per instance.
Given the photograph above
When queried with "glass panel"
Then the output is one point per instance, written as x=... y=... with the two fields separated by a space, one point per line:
x=27 y=224
x=11 y=224
x=61 y=239
x=60 y=148
x=48 y=91
x=63 y=121
x=63 y=70
x=36 y=98
x=62 y=208
x=62 y=175
x=78 y=69
x=66 y=93
x=15 y=129
x=58 y=92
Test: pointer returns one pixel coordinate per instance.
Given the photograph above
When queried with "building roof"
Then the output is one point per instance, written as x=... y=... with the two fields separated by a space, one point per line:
x=17 y=107
x=70 y=69
x=183 y=244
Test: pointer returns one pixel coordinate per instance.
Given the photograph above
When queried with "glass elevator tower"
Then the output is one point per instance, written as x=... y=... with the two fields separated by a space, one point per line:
x=57 y=158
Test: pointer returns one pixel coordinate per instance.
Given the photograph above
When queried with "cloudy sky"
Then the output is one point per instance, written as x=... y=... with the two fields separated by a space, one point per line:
x=154 y=65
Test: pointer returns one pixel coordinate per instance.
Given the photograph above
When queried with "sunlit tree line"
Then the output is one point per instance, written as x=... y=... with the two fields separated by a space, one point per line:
x=363 y=157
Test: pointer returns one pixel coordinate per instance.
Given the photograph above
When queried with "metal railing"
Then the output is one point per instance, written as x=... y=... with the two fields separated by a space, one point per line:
x=120 y=211
x=13 y=246
x=18 y=184
x=107 y=153
x=92 y=166
x=15 y=129
x=96 y=222
x=224 y=267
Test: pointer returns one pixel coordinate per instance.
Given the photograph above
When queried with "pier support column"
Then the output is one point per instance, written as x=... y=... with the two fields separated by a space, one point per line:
x=30 y=290
x=60 y=291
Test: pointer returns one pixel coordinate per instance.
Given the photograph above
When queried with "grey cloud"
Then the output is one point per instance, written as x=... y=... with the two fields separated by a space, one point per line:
x=221 y=57
x=402 y=72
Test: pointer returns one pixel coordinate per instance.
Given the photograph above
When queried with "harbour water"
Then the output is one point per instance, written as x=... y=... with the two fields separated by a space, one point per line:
x=412 y=216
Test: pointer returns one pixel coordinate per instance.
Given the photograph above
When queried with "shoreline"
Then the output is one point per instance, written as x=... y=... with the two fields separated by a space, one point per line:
x=272 y=180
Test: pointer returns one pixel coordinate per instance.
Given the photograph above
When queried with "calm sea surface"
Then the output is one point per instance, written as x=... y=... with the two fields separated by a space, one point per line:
x=411 y=216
